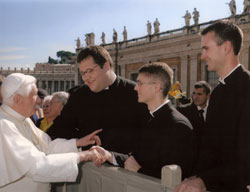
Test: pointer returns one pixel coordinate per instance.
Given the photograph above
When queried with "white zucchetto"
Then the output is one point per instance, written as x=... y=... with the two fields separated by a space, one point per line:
x=13 y=82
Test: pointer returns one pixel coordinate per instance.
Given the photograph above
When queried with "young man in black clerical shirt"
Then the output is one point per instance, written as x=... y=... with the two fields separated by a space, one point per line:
x=224 y=163
x=167 y=138
x=105 y=101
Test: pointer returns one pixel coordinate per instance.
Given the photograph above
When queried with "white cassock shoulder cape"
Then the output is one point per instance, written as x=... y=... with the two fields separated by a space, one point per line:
x=29 y=160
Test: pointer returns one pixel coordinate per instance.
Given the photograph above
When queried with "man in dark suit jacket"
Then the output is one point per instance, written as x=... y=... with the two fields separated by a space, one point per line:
x=105 y=102
x=197 y=110
x=168 y=137
x=224 y=160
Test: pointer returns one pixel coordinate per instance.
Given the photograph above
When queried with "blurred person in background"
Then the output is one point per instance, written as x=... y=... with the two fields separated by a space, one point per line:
x=45 y=122
x=57 y=102
x=39 y=111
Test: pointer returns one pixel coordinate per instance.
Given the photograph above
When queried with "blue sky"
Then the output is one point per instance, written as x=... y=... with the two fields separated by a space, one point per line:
x=33 y=30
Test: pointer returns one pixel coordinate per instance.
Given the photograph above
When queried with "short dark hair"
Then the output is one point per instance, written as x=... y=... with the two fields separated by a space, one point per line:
x=226 y=31
x=203 y=84
x=161 y=71
x=42 y=93
x=99 y=54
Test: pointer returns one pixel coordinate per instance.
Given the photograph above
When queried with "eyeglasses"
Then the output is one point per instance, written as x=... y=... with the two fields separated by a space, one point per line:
x=139 y=83
x=88 y=71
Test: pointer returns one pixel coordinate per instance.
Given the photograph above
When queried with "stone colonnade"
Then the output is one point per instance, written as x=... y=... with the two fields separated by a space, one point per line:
x=56 y=85
x=179 y=48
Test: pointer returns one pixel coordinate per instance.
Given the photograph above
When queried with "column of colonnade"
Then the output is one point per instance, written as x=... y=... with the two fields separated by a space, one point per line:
x=189 y=72
x=184 y=69
x=193 y=71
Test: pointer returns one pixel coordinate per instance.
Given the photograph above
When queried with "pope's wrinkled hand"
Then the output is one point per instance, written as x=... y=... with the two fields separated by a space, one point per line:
x=90 y=139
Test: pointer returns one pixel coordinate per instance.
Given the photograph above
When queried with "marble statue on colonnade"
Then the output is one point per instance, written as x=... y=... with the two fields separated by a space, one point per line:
x=246 y=4
x=115 y=36
x=232 y=6
x=78 y=43
x=125 y=34
x=196 y=16
x=187 y=18
x=90 y=39
x=87 y=39
x=157 y=26
x=149 y=28
x=103 y=38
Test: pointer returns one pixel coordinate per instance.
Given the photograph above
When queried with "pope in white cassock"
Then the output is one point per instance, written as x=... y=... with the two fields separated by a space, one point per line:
x=29 y=160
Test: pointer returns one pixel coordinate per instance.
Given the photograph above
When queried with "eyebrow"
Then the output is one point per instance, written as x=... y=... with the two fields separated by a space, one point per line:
x=204 y=47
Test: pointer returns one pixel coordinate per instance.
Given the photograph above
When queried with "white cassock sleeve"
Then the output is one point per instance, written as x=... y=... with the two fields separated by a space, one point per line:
x=55 y=146
x=19 y=157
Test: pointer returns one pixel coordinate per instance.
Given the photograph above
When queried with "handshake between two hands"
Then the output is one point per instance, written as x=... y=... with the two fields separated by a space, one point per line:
x=99 y=155
x=96 y=154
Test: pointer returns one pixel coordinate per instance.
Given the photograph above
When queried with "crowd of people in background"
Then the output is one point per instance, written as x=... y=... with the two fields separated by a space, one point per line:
x=208 y=138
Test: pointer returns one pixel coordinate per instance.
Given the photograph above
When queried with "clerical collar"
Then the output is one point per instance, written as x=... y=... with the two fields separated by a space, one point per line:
x=199 y=108
x=222 y=80
x=107 y=88
x=152 y=112
x=12 y=112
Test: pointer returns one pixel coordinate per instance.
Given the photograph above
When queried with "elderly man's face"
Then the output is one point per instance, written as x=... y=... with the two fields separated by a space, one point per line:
x=46 y=110
x=30 y=103
x=55 y=107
